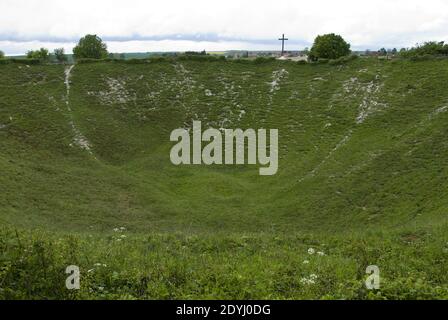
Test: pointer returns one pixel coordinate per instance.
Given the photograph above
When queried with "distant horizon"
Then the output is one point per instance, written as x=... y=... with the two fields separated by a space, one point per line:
x=68 y=49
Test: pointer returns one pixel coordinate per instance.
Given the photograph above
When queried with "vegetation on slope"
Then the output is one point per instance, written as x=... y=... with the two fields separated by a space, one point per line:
x=362 y=170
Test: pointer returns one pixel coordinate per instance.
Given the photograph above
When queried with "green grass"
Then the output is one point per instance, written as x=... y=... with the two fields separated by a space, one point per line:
x=362 y=177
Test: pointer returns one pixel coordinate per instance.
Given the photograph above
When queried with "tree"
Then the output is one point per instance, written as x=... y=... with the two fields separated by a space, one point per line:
x=60 y=55
x=2 y=54
x=329 y=46
x=41 y=54
x=382 y=52
x=92 y=47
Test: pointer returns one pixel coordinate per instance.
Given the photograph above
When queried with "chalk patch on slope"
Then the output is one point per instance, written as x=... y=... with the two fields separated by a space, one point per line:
x=371 y=156
x=116 y=93
x=79 y=139
x=277 y=77
x=67 y=73
x=438 y=111
x=369 y=93
x=339 y=145
x=425 y=121
x=185 y=85
x=186 y=82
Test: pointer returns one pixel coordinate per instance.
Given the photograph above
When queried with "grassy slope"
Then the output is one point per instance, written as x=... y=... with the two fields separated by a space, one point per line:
x=383 y=180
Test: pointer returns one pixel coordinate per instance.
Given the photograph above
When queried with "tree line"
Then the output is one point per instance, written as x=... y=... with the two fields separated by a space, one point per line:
x=325 y=47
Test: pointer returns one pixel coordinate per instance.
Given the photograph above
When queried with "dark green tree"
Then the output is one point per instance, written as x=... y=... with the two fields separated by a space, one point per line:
x=329 y=46
x=382 y=52
x=2 y=55
x=60 y=55
x=90 y=46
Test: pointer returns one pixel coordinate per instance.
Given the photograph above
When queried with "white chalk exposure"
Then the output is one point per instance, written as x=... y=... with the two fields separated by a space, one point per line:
x=79 y=138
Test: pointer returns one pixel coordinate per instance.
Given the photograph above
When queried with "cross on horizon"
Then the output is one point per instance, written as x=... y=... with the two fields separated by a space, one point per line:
x=283 y=39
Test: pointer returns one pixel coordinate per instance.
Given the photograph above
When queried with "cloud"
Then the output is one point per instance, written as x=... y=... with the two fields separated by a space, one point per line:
x=223 y=24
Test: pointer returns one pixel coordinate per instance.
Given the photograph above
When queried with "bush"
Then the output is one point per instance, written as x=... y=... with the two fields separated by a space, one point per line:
x=329 y=46
x=431 y=48
x=343 y=60
x=424 y=57
x=88 y=60
x=208 y=58
x=26 y=61
x=136 y=61
x=159 y=59
x=2 y=55
x=154 y=59
x=41 y=54
x=260 y=60
x=196 y=53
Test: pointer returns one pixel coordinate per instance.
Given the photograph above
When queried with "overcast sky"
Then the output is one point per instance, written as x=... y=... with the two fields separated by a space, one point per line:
x=178 y=25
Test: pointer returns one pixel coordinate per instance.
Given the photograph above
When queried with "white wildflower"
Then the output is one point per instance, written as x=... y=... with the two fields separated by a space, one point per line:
x=309 y=280
x=311 y=251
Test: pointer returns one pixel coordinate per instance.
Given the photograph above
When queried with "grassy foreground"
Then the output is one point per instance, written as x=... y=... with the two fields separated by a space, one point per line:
x=119 y=265
x=362 y=181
